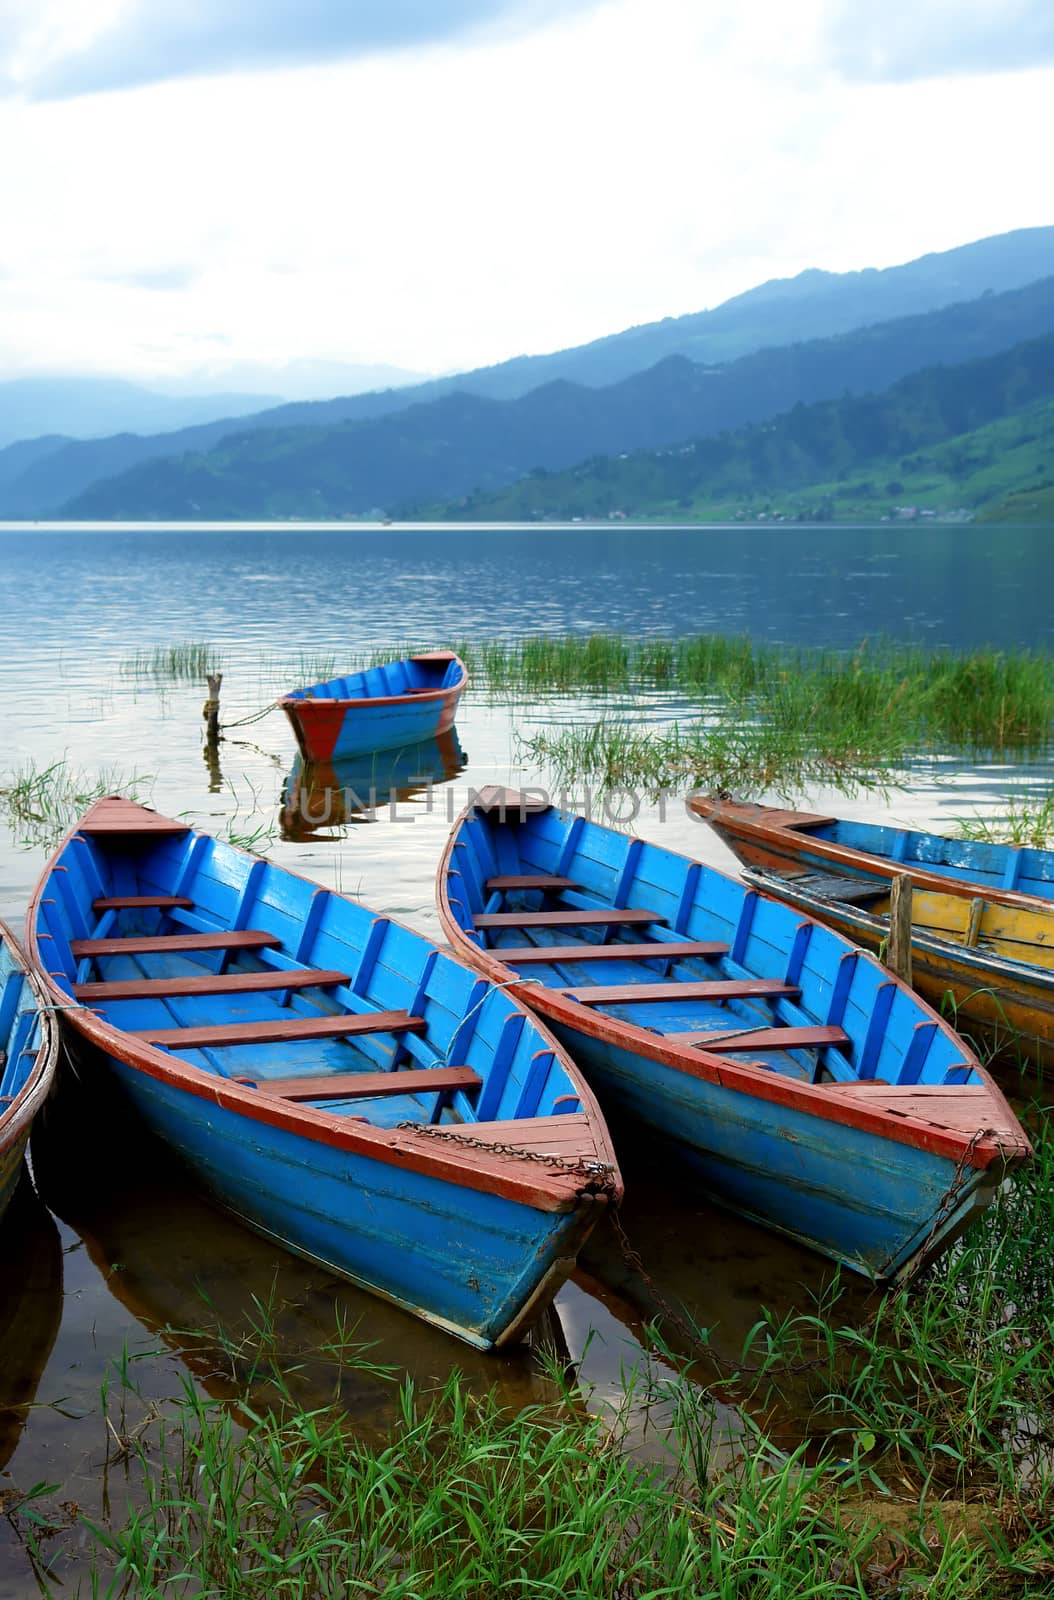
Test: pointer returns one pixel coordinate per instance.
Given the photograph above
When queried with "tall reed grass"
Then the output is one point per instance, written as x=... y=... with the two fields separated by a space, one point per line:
x=38 y=804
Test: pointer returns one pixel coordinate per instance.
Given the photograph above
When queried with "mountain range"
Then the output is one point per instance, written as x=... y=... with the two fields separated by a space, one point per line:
x=788 y=343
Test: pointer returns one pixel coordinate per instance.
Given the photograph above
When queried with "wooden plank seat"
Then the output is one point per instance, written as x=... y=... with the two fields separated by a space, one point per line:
x=209 y=983
x=373 y=1085
x=723 y=1039
x=172 y=943
x=520 y=955
x=721 y=989
x=282 y=1029
x=142 y=902
x=592 y=916
x=529 y=880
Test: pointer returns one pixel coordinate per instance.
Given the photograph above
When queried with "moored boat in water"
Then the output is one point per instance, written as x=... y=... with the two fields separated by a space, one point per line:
x=380 y=708
x=803 y=841
x=28 y=1050
x=335 y=1080
x=989 y=964
x=805 y=1085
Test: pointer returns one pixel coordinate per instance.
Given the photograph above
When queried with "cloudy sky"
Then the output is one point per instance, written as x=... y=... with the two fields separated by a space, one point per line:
x=191 y=185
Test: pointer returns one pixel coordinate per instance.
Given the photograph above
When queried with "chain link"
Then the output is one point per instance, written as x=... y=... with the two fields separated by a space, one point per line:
x=601 y=1174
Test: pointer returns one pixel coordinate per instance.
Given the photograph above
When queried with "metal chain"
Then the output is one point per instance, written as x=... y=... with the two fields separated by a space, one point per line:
x=949 y=1202
x=600 y=1173
x=254 y=716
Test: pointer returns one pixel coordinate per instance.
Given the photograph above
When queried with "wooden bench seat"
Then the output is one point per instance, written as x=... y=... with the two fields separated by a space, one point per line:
x=143 y=902
x=172 y=943
x=209 y=983
x=720 y=989
x=373 y=1085
x=283 y=1029
x=520 y=955
x=724 y=1040
x=529 y=880
x=594 y=916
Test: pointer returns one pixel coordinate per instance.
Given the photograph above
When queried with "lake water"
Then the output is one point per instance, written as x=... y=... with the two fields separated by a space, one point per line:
x=127 y=1252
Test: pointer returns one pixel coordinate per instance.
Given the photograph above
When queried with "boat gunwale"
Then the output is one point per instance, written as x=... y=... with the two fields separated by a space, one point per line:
x=289 y=701
x=743 y=1076
x=545 y=1188
x=728 y=821
x=18 y=1117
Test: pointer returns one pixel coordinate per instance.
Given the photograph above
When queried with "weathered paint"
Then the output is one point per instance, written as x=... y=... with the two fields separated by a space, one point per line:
x=28 y=1049
x=832 y=1144
x=382 y=708
x=992 y=985
x=799 y=841
x=459 y=1235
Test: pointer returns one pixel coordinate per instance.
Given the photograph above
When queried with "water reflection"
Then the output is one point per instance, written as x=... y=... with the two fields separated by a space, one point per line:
x=334 y=794
x=30 y=1307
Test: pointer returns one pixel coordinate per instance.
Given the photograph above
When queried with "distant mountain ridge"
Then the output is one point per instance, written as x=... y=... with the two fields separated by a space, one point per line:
x=938 y=433
x=774 y=314
x=463 y=444
x=89 y=407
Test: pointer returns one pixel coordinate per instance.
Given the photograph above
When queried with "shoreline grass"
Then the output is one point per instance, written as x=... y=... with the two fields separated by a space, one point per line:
x=924 y=1462
x=38 y=804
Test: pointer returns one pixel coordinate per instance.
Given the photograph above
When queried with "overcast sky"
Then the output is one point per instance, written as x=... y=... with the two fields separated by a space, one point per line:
x=190 y=184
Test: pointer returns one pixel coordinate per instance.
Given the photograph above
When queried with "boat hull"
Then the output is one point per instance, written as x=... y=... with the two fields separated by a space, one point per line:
x=453 y=1257
x=333 y=730
x=853 y=1195
x=28 y=1050
x=793 y=842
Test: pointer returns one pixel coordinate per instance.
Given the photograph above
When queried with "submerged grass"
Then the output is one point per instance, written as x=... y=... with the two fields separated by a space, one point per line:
x=763 y=715
x=38 y=804
x=188 y=662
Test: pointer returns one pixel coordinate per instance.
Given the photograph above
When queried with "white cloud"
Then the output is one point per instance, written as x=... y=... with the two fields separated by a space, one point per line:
x=448 y=206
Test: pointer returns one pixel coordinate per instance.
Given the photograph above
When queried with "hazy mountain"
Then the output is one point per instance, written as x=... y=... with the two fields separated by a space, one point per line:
x=952 y=436
x=89 y=408
x=304 y=379
x=462 y=443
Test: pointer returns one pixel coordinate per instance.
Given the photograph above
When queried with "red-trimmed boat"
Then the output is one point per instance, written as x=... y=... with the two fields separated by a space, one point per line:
x=384 y=707
x=802 y=1082
x=334 y=1079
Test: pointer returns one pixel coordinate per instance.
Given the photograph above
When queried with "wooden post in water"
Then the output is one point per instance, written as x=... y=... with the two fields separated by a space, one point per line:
x=211 y=709
x=898 y=952
x=211 y=713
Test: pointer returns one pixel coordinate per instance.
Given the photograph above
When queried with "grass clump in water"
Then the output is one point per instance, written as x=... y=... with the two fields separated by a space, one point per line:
x=1026 y=821
x=38 y=804
x=188 y=662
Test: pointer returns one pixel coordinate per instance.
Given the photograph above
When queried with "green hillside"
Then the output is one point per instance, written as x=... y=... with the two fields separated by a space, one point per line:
x=464 y=444
x=926 y=443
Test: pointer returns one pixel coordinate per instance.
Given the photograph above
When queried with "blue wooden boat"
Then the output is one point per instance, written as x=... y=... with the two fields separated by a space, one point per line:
x=381 y=708
x=319 y=795
x=776 y=840
x=805 y=1085
x=335 y=1080
x=28 y=1050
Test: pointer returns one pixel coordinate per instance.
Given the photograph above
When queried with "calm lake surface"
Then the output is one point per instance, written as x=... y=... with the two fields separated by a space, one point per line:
x=123 y=1252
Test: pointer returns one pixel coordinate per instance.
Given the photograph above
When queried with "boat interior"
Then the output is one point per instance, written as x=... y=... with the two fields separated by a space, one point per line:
x=423 y=674
x=252 y=974
x=637 y=933
x=998 y=866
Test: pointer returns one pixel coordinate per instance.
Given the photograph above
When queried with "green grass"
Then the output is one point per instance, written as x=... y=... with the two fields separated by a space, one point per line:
x=1025 y=821
x=38 y=804
x=188 y=662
